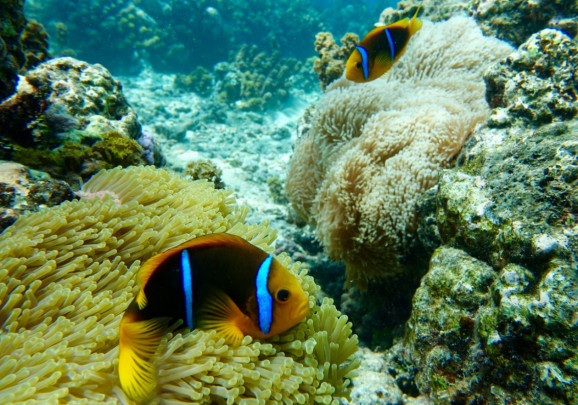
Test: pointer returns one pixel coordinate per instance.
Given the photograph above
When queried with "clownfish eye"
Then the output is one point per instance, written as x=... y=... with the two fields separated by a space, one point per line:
x=283 y=295
x=358 y=65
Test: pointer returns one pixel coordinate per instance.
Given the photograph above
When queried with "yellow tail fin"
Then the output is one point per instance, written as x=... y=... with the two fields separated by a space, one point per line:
x=139 y=341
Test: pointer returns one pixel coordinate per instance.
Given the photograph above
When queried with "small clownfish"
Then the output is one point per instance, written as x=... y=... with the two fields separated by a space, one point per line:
x=380 y=49
x=217 y=281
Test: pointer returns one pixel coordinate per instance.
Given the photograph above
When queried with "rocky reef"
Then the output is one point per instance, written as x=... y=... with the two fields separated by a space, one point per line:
x=511 y=20
x=494 y=318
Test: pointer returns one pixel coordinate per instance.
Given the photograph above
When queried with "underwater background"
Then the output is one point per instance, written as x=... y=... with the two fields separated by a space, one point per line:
x=429 y=214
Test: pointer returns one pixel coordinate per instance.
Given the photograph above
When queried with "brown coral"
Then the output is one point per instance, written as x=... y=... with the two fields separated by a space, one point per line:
x=332 y=58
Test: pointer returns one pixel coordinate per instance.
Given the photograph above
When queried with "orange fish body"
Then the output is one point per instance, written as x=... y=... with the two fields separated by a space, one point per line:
x=216 y=281
x=380 y=49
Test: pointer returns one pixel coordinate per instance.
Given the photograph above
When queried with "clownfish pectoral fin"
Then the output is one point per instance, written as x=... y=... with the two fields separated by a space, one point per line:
x=139 y=341
x=382 y=63
x=220 y=313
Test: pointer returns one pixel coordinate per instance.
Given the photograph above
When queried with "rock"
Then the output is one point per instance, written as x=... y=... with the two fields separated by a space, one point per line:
x=373 y=385
x=23 y=190
x=512 y=21
x=495 y=317
x=536 y=84
x=63 y=113
x=442 y=330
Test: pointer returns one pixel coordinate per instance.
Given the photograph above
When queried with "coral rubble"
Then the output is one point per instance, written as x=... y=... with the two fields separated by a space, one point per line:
x=374 y=148
x=68 y=273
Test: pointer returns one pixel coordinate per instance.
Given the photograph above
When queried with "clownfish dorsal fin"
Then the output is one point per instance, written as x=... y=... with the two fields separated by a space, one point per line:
x=415 y=23
x=145 y=273
x=220 y=313
x=139 y=341
x=403 y=23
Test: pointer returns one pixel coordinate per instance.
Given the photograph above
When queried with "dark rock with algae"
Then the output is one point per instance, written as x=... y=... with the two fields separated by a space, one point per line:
x=71 y=119
x=494 y=320
x=11 y=55
x=537 y=84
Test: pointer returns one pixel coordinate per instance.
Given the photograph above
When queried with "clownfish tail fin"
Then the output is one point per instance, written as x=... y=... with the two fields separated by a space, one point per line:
x=415 y=23
x=139 y=341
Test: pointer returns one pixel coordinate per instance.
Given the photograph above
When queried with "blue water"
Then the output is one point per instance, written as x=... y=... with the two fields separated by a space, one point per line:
x=178 y=35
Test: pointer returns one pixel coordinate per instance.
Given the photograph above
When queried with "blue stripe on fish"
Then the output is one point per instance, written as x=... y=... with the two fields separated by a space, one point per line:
x=187 y=287
x=264 y=300
x=390 y=40
x=364 y=61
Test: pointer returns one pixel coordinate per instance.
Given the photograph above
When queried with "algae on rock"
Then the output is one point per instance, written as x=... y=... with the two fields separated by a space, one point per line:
x=495 y=317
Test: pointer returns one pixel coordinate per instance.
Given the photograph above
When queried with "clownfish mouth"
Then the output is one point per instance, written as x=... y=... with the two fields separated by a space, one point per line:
x=300 y=312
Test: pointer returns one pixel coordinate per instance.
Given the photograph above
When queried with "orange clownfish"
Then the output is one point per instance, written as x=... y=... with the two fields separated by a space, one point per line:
x=380 y=49
x=217 y=281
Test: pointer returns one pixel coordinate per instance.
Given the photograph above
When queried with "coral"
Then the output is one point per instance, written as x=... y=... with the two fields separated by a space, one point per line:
x=495 y=317
x=65 y=102
x=68 y=273
x=207 y=170
x=23 y=190
x=374 y=148
x=255 y=80
x=34 y=41
x=200 y=81
x=332 y=59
